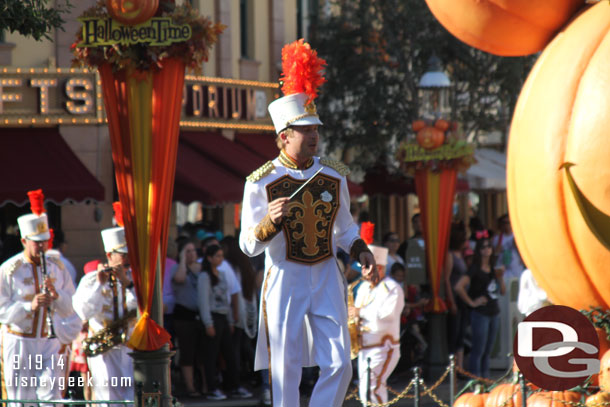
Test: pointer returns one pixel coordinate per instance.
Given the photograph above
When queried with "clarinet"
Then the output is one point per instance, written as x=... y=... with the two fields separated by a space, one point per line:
x=43 y=269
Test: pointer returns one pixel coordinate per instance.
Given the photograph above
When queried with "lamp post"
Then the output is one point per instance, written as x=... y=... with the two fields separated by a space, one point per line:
x=434 y=91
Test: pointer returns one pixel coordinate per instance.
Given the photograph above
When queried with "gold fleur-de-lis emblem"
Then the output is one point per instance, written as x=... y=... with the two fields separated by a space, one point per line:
x=308 y=215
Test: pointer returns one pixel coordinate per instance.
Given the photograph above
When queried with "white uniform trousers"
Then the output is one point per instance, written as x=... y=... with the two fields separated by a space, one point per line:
x=31 y=368
x=112 y=374
x=383 y=361
x=318 y=293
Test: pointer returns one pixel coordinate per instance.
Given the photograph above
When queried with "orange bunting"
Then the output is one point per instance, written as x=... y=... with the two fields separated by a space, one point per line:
x=367 y=230
x=118 y=213
x=52 y=233
x=36 y=201
x=301 y=70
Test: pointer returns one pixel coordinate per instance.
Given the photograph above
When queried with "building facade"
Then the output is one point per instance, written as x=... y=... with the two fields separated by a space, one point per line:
x=55 y=137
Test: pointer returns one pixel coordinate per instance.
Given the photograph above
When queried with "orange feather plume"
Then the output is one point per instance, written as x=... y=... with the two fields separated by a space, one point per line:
x=118 y=213
x=301 y=70
x=367 y=231
x=36 y=201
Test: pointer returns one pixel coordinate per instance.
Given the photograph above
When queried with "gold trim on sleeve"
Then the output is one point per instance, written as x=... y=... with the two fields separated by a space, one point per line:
x=266 y=229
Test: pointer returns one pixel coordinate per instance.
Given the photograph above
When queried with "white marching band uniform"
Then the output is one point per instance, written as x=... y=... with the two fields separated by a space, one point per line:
x=304 y=293
x=24 y=332
x=380 y=308
x=94 y=303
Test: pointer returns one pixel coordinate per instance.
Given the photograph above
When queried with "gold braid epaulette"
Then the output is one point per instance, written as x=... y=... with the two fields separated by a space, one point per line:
x=57 y=261
x=10 y=268
x=336 y=165
x=261 y=172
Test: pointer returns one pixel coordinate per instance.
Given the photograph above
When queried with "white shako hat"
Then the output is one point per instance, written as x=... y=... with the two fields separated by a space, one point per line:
x=291 y=110
x=34 y=227
x=380 y=254
x=114 y=240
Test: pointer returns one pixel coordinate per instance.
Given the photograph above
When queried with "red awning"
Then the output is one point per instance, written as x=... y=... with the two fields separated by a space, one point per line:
x=265 y=146
x=33 y=158
x=232 y=156
x=200 y=179
x=262 y=144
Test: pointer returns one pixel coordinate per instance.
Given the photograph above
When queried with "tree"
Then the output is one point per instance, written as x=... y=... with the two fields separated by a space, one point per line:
x=377 y=50
x=33 y=18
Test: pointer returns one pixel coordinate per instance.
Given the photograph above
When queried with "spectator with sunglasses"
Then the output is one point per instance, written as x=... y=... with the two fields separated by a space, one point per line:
x=480 y=289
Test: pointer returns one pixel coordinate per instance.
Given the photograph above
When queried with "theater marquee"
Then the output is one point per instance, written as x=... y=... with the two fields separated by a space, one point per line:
x=69 y=96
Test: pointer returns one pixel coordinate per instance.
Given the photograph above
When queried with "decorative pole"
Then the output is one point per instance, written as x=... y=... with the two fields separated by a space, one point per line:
x=142 y=73
x=434 y=158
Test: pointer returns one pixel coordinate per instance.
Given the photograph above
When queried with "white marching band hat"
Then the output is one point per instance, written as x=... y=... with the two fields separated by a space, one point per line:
x=291 y=110
x=114 y=240
x=380 y=254
x=34 y=227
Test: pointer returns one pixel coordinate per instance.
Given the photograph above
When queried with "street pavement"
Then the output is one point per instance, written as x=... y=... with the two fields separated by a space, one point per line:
x=397 y=383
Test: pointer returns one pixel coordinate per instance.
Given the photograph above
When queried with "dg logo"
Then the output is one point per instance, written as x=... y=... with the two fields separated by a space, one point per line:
x=556 y=348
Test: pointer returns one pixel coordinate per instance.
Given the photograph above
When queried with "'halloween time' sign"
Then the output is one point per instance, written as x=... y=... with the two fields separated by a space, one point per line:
x=156 y=31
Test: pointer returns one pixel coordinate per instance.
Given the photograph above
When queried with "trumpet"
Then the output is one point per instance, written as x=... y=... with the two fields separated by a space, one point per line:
x=43 y=269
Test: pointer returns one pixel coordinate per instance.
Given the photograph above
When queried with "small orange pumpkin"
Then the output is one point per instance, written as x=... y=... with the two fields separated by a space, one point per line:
x=474 y=399
x=604 y=345
x=562 y=116
x=553 y=399
x=132 y=12
x=604 y=372
x=508 y=28
x=599 y=399
x=505 y=395
x=430 y=138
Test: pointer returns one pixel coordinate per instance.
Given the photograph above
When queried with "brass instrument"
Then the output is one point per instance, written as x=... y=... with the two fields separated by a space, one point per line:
x=43 y=270
x=353 y=323
x=109 y=337
x=115 y=333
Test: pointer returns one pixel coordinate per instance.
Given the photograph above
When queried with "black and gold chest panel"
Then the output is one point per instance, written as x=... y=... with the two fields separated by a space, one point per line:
x=308 y=228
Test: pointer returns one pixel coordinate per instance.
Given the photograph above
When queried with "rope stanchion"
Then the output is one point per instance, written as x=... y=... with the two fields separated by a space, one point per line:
x=451 y=379
x=420 y=389
x=417 y=381
x=523 y=390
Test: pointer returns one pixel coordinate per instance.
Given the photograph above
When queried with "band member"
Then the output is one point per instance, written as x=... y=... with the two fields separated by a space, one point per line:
x=378 y=307
x=304 y=314
x=35 y=295
x=105 y=297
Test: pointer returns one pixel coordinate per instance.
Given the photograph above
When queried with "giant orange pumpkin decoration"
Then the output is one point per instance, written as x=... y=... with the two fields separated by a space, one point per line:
x=132 y=12
x=558 y=168
x=501 y=27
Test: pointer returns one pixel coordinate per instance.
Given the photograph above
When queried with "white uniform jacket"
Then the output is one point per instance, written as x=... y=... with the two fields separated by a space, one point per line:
x=94 y=302
x=20 y=281
x=300 y=261
x=380 y=309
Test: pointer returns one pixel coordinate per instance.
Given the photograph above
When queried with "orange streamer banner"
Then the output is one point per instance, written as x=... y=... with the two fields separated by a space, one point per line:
x=436 y=191
x=143 y=110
